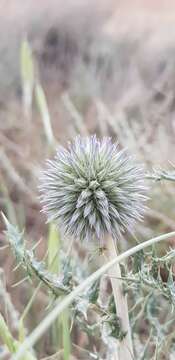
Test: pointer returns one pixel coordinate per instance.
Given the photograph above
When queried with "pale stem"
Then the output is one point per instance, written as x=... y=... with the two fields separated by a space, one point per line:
x=125 y=348
x=60 y=306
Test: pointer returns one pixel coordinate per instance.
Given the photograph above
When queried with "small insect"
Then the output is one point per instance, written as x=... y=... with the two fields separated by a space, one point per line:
x=102 y=250
x=97 y=251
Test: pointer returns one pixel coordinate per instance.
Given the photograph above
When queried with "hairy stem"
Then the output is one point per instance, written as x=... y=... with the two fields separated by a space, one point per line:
x=60 y=306
x=125 y=348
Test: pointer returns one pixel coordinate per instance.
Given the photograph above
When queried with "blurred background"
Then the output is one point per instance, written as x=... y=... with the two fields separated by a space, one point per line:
x=104 y=67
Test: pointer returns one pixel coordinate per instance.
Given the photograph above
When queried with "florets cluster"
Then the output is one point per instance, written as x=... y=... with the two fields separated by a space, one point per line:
x=92 y=188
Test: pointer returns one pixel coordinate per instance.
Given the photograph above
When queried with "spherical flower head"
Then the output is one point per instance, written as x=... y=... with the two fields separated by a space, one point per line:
x=93 y=189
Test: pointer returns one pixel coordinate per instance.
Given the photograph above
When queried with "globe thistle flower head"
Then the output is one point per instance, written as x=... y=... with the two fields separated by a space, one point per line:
x=93 y=189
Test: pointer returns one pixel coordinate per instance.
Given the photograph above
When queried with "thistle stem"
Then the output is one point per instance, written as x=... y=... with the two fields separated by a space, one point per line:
x=125 y=348
x=60 y=306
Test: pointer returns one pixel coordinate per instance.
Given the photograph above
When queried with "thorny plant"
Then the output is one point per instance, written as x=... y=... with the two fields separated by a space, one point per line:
x=148 y=279
x=94 y=190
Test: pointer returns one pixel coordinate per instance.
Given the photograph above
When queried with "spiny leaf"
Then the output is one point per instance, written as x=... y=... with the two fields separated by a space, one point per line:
x=30 y=264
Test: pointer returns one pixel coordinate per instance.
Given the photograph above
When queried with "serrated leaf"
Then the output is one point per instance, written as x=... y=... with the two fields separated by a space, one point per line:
x=82 y=307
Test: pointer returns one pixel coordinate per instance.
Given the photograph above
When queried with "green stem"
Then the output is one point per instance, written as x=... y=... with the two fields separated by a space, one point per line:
x=50 y=318
x=12 y=345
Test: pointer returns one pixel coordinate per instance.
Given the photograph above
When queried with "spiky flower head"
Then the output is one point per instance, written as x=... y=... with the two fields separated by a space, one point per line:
x=92 y=188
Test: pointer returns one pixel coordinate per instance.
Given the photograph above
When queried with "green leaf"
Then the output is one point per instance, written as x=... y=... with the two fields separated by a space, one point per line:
x=66 y=335
x=27 y=74
x=6 y=336
x=53 y=249
x=27 y=67
x=45 y=115
x=61 y=306
x=12 y=345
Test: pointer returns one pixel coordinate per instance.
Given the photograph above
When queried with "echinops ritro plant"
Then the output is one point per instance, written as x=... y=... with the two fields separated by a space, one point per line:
x=93 y=189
